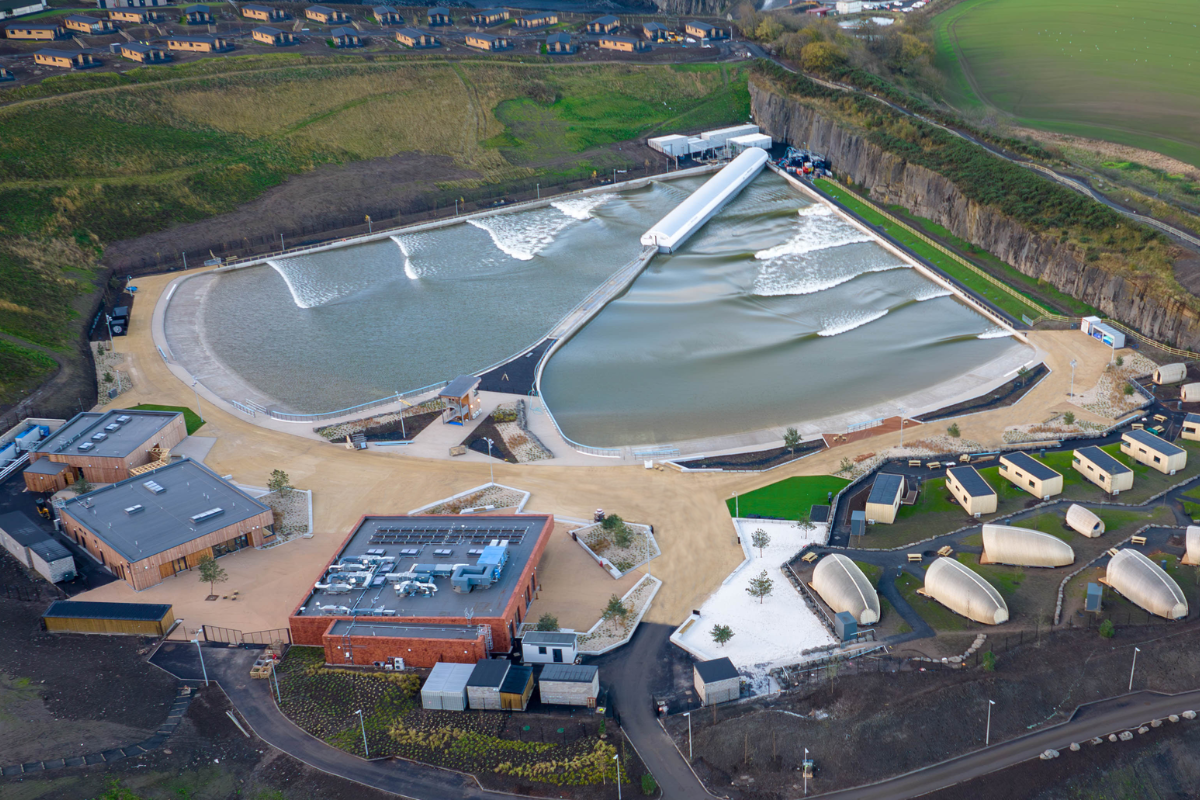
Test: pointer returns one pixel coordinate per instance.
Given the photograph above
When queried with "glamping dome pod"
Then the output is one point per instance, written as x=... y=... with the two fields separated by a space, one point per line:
x=1144 y=583
x=1192 y=556
x=1084 y=522
x=962 y=591
x=1005 y=544
x=844 y=587
x=1190 y=392
x=1170 y=373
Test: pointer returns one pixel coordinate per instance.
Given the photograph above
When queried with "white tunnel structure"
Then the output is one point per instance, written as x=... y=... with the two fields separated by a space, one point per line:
x=844 y=587
x=670 y=232
x=1145 y=584
x=1192 y=556
x=1022 y=547
x=1084 y=521
x=960 y=589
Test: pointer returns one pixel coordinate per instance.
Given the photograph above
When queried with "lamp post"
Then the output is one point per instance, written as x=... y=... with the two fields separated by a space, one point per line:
x=617 y=758
x=203 y=668
x=1073 y=362
x=1132 y=667
x=370 y=229
x=364 y=732
x=688 y=714
x=196 y=392
x=987 y=737
x=902 y=426
x=806 y=772
x=491 y=467
x=275 y=678
x=539 y=191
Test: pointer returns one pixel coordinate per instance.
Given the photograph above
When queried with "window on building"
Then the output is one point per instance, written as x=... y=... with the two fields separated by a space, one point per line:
x=1157 y=459
x=541 y=651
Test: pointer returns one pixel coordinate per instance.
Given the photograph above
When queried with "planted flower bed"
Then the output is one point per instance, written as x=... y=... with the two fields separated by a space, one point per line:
x=625 y=545
x=383 y=427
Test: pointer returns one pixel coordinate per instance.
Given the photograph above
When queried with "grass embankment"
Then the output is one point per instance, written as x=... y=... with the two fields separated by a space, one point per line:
x=1126 y=74
x=21 y=369
x=790 y=498
x=163 y=145
x=190 y=418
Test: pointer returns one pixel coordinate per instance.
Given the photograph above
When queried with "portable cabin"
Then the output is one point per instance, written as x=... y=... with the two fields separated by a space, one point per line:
x=37 y=31
x=884 y=500
x=705 y=32
x=130 y=619
x=483 y=687
x=138 y=16
x=81 y=23
x=411 y=37
x=143 y=53
x=655 y=31
x=461 y=396
x=263 y=13
x=52 y=561
x=1102 y=469
x=559 y=44
x=47 y=477
x=386 y=15
x=17 y=533
x=65 y=59
x=326 y=15
x=971 y=491
x=1191 y=428
x=1169 y=373
x=199 y=44
x=1190 y=392
x=569 y=685
x=439 y=15
x=1146 y=448
x=716 y=681
x=1107 y=334
x=622 y=44
x=489 y=16
x=606 y=24
x=1026 y=472
x=6 y=75
x=264 y=34
x=549 y=647
x=760 y=140
x=540 y=20
x=1084 y=522
x=197 y=15
x=486 y=41
x=345 y=37
x=517 y=688
x=446 y=687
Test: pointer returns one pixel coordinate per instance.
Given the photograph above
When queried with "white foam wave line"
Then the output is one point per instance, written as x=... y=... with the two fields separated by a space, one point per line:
x=814 y=286
x=934 y=294
x=804 y=244
x=994 y=333
x=581 y=208
x=848 y=323
x=293 y=288
x=815 y=210
x=409 y=271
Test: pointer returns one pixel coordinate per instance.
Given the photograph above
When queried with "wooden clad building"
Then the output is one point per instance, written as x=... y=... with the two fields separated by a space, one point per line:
x=884 y=500
x=559 y=44
x=439 y=15
x=197 y=15
x=1146 y=448
x=655 y=31
x=1191 y=428
x=489 y=16
x=533 y=21
x=411 y=37
x=1026 y=472
x=264 y=13
x=1102 y=469
x=486 y=41
x=47 y=477
x=138 y=16
x=129 y=619
x=326 y=15
x=386 y=15
x=107 y=446
x=199 y=44
x=971 y=491
x=37 y=31
x=623 y=44
x=272 y=36
x=143 y=53
x=65 y=59
x=345 y=37
x=81 y=23
x=154 y=525
x=605 y=24
x=704 y=31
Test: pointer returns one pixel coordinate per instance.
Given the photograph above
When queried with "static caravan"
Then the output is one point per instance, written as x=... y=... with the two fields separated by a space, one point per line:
x=1026 y=472
x=971 y=491
x=885 y=497
x=1102 y=469
x=549 y=647
x=1146 y=448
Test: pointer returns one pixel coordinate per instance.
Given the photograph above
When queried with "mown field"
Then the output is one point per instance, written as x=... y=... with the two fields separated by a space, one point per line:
x=86 y=160
x=1104 y=69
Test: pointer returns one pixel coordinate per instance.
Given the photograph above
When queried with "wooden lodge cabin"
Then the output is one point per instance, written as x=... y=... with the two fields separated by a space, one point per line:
x=485 y=41
x=439 y=15
x=345 y=37
x=110 y=446
x=559 y=44
x=162 y=522
x=461 y=397
x=264 y=13
x=605 y=24
x=265 y=34
x=1146 y=448
x=326 y=15
x=705 y=32
x=1102 y=469
x=1027 y=473
x=623 y=44
x=110 y=4
x=65 y=59
x=138 y=16
x=971 y=491
x=531 y=22
x=489 y=16
x=42 y=32
x=197 y=15
x=386 y=15
x=81 y=23
x=19 y=8
x=128 y=619
x=655 y=31
x=143 y=53
x=199 y=44
x=411 y=37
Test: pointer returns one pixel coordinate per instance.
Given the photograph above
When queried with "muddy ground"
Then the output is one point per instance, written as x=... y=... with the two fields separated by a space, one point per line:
x=863 y=725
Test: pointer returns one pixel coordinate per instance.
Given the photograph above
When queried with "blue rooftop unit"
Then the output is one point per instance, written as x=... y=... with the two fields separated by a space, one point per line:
x=483 y=573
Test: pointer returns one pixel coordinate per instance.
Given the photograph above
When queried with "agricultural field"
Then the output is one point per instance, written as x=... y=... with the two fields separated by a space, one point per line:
x=1119 y=72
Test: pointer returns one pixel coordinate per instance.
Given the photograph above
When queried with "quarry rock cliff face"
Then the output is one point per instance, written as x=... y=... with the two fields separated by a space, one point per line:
x=699 y=8
x=927 y=194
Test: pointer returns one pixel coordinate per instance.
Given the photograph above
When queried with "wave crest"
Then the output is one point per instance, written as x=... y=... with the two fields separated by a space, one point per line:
x=850 y=320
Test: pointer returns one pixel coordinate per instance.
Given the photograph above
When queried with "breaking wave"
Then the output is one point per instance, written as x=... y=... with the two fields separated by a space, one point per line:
x=784 y=279
x=850 y=320
x=525 y=234
x=581 y=208
x=932 y=292
x=994 y=333
x=310 y=285
x=409 y=245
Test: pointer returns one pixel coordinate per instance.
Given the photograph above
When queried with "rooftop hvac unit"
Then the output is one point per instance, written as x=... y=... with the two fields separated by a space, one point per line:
x=99 y=437
x=124 y=418
x=205 y=516
x=154 y=486
x=86 y=446
x=135 y=509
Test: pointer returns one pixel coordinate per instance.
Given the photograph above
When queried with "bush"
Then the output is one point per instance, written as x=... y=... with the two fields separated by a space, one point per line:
x=649 y=785
x=1069 y=418
x=989 y=661
x=1107 y=629
x=1120 y=361
x=1128 y=389
x=547 y=622
x=954 y=431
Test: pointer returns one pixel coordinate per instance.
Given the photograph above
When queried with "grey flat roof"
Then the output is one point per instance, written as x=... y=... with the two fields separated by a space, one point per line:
x=1192 y=418
x=44 y=466
x=165 y=520
x=397 y=630
x=489 y=673
x=78 y=609
x=268 y=30
x=719 y=669
x=438 y=541
x=463 y=384
x=1028 y=463
x=607 y=19
x=695 y=23
x=49 y=550
x=46 y=51
x=569 y=673
x=140 y=427
x=886 y=489
x=971 y=481
x=20 y=527
x=1103 y=460
x=549 y=637
x=1148 y=439
x=516 y=680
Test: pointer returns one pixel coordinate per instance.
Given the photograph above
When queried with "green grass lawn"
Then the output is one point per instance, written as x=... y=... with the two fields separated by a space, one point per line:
x=872 y=572
x=1005 y=579
x=937 y=615
x=190 y=418
x=790 y=498
x=1017 y=306
x=21 y=369
x=1126 y=73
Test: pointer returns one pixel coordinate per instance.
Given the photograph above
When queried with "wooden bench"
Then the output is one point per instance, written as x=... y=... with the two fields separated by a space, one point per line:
x=914 y=558
x=1137 y=539
x=809 y=557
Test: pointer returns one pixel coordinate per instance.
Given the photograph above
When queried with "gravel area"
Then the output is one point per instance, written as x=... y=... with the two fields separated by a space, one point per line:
x=497 y=496
x=291 y=514
x=109 y=374
x=641 y=548
x=1053 y=428
x=608 y=632
x=519 y=443
x=1107 y=398
x=339 y=431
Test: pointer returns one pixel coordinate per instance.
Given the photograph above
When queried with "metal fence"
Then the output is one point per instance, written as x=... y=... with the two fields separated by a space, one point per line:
x=213 y=633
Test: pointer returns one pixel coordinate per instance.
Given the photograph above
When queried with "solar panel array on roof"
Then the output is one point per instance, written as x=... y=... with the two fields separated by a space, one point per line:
x=971 y=482
x=1149 y=440
x=445 y=534
x=885 y=489
x=1103 y=460
x=1031 y=465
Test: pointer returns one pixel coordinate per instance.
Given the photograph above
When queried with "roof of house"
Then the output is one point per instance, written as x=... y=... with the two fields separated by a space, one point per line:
x=149 y=513
x=343 y=32
x=80 y=609
x=718 y=669
x=489 y=673
x=460 y=386
x=13 y=5
x=255 y=7
x=44 y=466
x=1148 y=439
x=136 y=47
x=21 y=528
x=701 y=25
x=489 y=12
x=1191 y=417
x=200 y=38
x=445 y=12
x=517 y=680
x=540 y=15
x=560 y=38
x=971 y=481
x=267 y=29
x=627 y=39
x=1031 y=465
x=82 y=18
x=411 y=32
x=486 y=37
x=71 y=54
x=196 y=8
x=549 y=637
x=607 y=19
x=35 y=26
x=320 y=9
x=384 y=10
x=886 y=489
x=569 y=673
x=49 y=550
x=1103 y=460
x=112 y=434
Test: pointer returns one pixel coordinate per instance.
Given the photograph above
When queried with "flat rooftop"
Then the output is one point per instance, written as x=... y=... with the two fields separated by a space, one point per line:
x=21 y=528
x=434 y=541
x=1031 y=465
x=147 y=514
x=971 y=481
x=1103 y=460
x=886 y=489
x=1152 y=442
x=133 y=429
x=81 y=609
x=399 y=630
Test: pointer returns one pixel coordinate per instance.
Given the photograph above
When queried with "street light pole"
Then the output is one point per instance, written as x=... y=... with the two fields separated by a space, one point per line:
x=275 y=677
x=203 y=668
x=806 y=773
x=902 y=426
x=370 y=228
x=539 y=191
x=491 y=467
x=617 y=758
x=987 y=737
x=688 y=714
x=364 y=732
x=1073 y=362
x=196 y=392
x=1133 y=667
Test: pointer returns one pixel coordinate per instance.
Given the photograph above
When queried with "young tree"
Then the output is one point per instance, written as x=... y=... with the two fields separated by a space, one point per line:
x=82 y=486
x=211 y=573
x=547 y=622
x=791 y=440
x=760 y=587
x=846 y=466
x=616 y=527
x=760 y=539
x=279 y=482
x=722 y=634
x=615 y=608
x=954 y=431
x=1069 y=418
x=1120 y=361
x=1107 y=629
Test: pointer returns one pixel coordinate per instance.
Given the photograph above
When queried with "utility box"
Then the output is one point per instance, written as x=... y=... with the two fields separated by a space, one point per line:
x=858 y=523
x=716 y=681
x=845 y=626
x=1095 y=595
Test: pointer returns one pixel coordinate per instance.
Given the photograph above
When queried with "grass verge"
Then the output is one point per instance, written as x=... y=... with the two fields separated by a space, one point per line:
x=790 y=498
x=190 y=418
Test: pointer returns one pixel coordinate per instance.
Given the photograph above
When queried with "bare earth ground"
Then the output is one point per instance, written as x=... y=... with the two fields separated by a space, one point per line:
x=1116 y=152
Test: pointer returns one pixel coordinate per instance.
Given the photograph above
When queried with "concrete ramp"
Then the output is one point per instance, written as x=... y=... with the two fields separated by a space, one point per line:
x=669 y=234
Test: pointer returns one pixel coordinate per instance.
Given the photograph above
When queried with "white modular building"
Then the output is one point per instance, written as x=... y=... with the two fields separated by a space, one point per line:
x=960 y=589
x=844 y=587
x=721 y=136
x=760 y=140
x=1146 y=584
x=674 y=145
x=1107 y=334
x=1022 y=547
